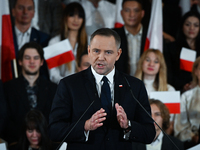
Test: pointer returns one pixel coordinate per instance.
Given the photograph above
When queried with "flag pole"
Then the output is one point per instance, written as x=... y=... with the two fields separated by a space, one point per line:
x=15 y=68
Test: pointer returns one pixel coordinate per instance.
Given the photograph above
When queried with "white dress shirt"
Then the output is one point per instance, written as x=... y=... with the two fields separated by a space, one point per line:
x=134 y=46
x=22 y=38
x=156 y=145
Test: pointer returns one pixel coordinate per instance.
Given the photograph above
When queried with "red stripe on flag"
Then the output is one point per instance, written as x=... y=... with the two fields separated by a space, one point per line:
x=60 y=59
x=174 y=108
x=147 y=43
x=186 y=65
x=118 y=25
x=8 y=49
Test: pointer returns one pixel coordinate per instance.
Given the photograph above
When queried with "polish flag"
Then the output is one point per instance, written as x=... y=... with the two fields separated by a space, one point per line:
x=170 y=98
x=7 y=50
x=155 y=32
x=118 y=18
x=187 y=58
x=58 y=54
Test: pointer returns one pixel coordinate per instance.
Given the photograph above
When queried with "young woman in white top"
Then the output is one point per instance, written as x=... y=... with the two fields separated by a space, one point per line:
x=151 y=69
x=73 y=28
x=187 y=123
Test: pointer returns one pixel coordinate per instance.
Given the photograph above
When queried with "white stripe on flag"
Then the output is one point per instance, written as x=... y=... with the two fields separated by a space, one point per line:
x=166 y=96
x=57 y=49
x=155 y=30
x=188 y=54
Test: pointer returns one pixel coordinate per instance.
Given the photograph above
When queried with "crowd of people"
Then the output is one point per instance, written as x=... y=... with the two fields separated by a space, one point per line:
x=40 y=107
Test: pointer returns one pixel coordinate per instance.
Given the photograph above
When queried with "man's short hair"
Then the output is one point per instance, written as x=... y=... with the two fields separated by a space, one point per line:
x=34 y=45
x=108 y=33
x=15 y=2
x=139 y=1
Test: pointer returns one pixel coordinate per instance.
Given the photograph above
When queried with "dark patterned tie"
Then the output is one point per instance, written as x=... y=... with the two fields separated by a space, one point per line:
x=106 y=96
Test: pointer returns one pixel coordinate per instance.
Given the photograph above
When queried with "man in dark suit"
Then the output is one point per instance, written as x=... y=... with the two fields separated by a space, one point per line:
x=29 y=91
x=23 y=13
x=133 y=35
x=160 y=114
x=48 y=15
x=110 y=125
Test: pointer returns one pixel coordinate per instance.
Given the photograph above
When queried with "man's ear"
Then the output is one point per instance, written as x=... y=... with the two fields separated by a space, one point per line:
x=20 y=62
x=119 y=52
x=42 y=62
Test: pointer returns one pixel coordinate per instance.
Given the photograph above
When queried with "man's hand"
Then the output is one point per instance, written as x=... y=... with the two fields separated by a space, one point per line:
x=121 y=116
x=96 y=120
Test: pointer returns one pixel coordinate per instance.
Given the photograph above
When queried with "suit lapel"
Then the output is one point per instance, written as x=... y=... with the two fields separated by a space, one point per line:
x=119 y=88
x=90 y=86
x=34 y=37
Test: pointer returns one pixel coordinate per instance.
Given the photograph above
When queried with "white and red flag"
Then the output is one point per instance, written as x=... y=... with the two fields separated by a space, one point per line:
x=170 y=98
x=7 y=50
x=187 y=58
x=58 y=54
x=118 y=18
x=155 y=30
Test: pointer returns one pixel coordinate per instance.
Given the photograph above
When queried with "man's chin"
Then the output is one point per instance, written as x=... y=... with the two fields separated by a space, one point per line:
x=31 y=73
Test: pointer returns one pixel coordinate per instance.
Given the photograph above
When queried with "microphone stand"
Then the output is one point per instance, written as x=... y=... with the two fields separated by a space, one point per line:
x=148 y=113
x=75 y=125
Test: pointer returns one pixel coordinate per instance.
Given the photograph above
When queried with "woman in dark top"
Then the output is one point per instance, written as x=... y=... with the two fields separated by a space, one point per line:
x=188 y=37
x=34 y=133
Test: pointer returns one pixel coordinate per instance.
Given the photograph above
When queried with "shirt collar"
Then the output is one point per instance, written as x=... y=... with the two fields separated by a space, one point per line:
x=18 y=32
x=99 y=77
x=158 y=139
x=139 y=33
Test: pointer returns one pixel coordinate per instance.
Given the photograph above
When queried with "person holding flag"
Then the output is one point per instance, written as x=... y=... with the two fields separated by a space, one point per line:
x=181 y=54
x=73 y=29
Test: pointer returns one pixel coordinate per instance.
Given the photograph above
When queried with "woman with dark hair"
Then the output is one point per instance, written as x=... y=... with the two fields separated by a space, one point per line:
x=34 y=134
x=73 y=29
x=188 y=37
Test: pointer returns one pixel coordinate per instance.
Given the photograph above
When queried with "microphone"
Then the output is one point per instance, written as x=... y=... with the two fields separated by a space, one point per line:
x=75 y=124
x=148 y=113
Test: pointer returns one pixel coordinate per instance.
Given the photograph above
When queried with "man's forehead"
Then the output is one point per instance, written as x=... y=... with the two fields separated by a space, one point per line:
x=25 y=3
x=30 y=51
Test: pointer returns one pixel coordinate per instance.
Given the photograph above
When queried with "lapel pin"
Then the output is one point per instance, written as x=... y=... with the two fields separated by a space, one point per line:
x=120 y=85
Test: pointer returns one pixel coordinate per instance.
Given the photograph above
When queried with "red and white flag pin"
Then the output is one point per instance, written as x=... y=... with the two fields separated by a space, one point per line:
x=120 y=85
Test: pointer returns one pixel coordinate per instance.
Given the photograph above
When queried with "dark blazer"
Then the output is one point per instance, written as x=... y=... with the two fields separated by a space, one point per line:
x=18 y=105
x=166 y=144
x=76 y=92
x=123 y=63
x=40 y=38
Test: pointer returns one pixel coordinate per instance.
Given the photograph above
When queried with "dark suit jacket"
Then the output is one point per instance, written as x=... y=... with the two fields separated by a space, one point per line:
x=76 y=92
x=166 y=144
x=18 y=104
x=40 y=38
x=123 y=63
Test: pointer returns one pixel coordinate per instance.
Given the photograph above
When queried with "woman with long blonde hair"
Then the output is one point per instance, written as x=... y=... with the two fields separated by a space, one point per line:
x=151 y=69
x=73 y=29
